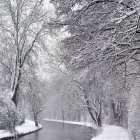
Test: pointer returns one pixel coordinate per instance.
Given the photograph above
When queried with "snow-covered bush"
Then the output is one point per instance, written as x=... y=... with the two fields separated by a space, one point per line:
x=9 y=117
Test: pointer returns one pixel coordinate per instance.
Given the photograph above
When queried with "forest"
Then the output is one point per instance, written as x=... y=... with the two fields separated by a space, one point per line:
x=75 y=60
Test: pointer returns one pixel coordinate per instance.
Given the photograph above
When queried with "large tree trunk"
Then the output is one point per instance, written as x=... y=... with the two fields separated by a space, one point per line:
x=15 y=95
x=15 y=86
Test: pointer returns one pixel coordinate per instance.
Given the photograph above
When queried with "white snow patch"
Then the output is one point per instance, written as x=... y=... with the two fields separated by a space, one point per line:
x=112 y=133
x=27 y=127
x=4 y=134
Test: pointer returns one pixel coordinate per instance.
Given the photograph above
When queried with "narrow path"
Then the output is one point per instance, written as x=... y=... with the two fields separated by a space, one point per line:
x=60 y=131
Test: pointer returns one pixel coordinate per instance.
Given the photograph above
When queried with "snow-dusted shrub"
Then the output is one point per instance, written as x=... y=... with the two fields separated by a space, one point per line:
x=97 y=131
x=21 y=116
x=8 y=114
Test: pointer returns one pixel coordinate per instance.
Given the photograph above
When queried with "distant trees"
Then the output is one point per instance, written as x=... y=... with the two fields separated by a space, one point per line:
x=35 y=97
x=60 y=101
x=35 y=104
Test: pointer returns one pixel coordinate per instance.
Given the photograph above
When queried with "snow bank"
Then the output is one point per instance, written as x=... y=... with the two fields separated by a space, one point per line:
x=72 y=122
x=26 y=128
x=112 y=133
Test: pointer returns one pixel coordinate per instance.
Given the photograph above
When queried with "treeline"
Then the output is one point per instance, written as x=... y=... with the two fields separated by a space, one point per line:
x=23 y=33
x=100 y=50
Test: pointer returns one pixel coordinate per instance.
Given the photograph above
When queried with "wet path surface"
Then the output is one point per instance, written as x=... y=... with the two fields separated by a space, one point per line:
x=59 y=131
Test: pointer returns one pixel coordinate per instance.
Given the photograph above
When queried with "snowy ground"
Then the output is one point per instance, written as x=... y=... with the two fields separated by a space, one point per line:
x=109 y=132
x=26 y=128
x=112 y=133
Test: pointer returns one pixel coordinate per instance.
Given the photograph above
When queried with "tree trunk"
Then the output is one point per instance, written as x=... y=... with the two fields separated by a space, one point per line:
x=99 y=121
x=117 y=107
x=36 y=123
x=99 y=118
x=15 y=87
x=15 y=95
x=91 y=114
x=90 y=109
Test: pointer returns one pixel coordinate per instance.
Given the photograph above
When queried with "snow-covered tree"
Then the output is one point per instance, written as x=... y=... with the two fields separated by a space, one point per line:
x=35 y=97
x=102 y=35
x=23 y=28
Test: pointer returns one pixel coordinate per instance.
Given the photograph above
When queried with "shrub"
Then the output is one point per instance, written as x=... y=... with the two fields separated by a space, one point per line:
x=21 y=116
x=8 y=115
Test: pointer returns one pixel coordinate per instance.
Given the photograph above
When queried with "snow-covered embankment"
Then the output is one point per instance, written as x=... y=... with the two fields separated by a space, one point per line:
x=111 y=132
x=26 y=128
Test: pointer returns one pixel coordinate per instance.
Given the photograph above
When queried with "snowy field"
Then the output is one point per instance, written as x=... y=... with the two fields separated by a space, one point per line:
x=109 y=132
x=26 y=128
